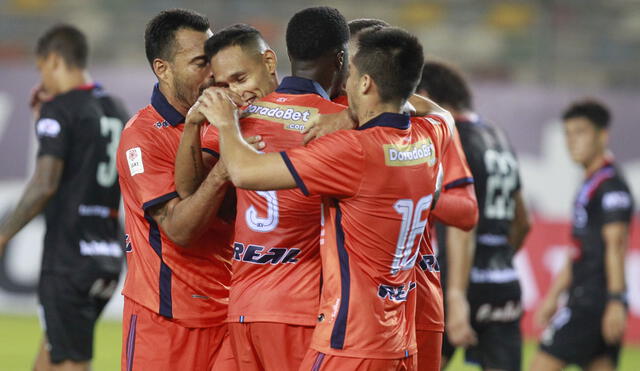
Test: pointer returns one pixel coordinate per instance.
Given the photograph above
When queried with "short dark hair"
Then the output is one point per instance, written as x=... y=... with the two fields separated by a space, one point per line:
x=159 y=36
x=357 y=25
x=393 y=58
x=66 y=41
x=591 y=109
x=313 y=32
x=445 y=85
x=239 y=34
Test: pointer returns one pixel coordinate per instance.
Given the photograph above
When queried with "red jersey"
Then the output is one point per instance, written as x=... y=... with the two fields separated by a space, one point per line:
x=378 y=184
x=186 y=284
x=430 y=310
x=276 y=260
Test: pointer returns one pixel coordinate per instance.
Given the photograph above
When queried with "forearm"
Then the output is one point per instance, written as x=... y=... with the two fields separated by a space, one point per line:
x=189 y=167
x=192 y=215
x=561 y=282
x=244 y=164
x=521 y=223
x=425 y=106
x=33 y=201
x=460 y=251
x=458 y=207
x=615 y=237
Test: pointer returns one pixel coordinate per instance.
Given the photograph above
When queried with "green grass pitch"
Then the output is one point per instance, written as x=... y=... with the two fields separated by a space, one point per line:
x=20 y=337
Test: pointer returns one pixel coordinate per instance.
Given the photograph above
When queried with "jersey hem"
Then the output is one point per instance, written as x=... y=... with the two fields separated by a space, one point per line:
x=276 y=318
x=188 y=323
x=159 y=200
x=368 y=354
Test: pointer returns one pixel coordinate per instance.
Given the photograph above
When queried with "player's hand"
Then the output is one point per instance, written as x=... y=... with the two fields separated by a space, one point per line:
x=457 y=325
x=326 y=124
x=613 y=322
x=194 y=116
x=546 y=310
x=218 y=107
x=255 y=142
x=38 y=96
x=3 y=244
x=409 y=109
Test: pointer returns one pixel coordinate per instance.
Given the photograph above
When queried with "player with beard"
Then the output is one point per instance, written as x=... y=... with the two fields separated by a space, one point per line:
x=178 y=254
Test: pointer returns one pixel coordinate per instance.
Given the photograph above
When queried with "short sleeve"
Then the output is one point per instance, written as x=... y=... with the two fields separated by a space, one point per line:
x=456 y=169
x=147 y=169
x=332 y=165
x=53 y=131
x=616 y=202
x=210 y=141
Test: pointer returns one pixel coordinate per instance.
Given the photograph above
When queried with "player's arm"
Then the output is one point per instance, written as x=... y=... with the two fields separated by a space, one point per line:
x=247 y=168
x=521 y=222
x=190 y=165
x=458 y=207
x=184 y=219
x=42 y=186
x=460 y=252
x=550 y=303
x=615 y=239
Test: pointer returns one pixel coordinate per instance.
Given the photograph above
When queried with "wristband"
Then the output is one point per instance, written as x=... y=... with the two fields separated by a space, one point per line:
x=618 y=296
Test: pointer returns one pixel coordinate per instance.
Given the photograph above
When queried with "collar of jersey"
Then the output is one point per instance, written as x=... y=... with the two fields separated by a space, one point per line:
x=166 y=110
x=300 y=85
x=390 y=120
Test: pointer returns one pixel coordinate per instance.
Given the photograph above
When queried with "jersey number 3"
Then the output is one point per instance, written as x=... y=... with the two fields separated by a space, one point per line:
x=110 y=128
x=268 y=223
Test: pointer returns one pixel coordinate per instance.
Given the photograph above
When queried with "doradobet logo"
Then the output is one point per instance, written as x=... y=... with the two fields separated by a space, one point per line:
x=416 y=153
x=293 y=117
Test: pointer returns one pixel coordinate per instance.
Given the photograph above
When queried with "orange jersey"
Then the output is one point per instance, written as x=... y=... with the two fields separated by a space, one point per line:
x=186 y=284
x=276 y=260
x=378 y=184
x=430 y=311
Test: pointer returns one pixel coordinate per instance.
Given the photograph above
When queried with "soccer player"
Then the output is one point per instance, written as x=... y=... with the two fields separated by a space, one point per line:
x=378 y=184
x=74 y=183
x=589 y=330
x=178 y=254
x=275 y=290
x=494 y=290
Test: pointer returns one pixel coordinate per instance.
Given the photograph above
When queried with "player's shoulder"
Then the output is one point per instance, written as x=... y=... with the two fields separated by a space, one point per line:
x=613 y=181
x=146 y=124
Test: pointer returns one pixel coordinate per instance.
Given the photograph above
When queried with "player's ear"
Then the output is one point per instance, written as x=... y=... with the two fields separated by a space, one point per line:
x=340 y=60
x=270 y=60
x=161 y=69
x=366 y=84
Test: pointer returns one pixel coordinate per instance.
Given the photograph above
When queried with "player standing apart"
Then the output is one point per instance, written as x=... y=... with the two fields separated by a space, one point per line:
x=588 y=331
x=376 y=204
x=178 y=254
x=75 y=184
x=490 y=328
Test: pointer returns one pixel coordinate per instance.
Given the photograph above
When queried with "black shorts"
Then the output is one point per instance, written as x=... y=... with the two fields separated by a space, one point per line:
x=575 y=337
x=70 y=308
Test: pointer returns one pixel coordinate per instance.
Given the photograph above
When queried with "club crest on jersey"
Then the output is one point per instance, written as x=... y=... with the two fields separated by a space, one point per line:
x=47 y=127
x=400 y=154
x=134 y=158
x=293 y=117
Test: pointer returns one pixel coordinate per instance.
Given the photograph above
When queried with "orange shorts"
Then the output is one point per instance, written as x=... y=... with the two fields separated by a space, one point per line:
x=316 y=361
x=152 y=342
x=269 y=346
x=429 y=350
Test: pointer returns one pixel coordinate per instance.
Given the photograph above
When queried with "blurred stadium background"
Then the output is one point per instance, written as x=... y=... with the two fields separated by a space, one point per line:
x=526 y=60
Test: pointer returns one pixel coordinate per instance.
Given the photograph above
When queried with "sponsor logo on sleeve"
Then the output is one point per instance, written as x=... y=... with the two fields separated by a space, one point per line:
x=134 y=158
x=617 y=200
x=293 y=117
x=420 y=152
x=47 y=127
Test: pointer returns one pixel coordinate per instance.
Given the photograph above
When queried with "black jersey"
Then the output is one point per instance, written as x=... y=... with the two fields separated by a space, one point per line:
x=493 y=163
x=82 y=127
x=604 y=197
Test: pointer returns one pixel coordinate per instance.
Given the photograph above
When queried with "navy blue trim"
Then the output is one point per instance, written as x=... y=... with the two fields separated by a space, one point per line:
x=300 y=85
x=294 y=173
x=164 y=279
x=340 y=326
x=159 y=200
x=166 y=308
x=211 y=152
x=388 y=119
x=459 y=182
x=164 y=108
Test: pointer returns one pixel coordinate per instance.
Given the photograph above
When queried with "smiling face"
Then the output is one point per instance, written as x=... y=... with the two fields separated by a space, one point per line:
x=245 y=71
x=584 y=140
